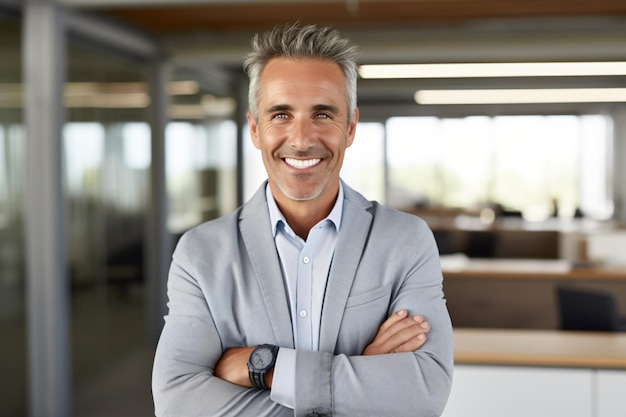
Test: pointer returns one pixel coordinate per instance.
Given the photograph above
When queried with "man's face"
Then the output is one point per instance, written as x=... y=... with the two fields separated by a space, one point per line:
x=303 y=127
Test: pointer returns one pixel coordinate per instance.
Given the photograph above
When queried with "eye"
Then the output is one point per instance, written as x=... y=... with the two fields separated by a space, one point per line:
x=322 y=116
x=280 y=116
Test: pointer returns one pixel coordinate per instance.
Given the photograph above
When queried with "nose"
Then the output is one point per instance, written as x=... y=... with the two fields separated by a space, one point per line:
x=301 y=134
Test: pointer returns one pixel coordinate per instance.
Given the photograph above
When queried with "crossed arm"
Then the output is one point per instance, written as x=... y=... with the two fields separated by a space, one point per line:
x=399 y=333
x=193 y=375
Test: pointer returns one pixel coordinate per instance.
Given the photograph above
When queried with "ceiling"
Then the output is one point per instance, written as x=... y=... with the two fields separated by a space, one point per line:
x=211 y=37
x=184 y=17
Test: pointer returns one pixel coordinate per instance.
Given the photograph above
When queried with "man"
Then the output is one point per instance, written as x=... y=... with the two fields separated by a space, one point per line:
x=305 y=300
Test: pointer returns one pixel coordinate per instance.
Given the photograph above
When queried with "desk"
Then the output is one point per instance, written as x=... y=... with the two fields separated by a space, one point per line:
x=521 y=373
x=518 y=293
x=462 y=267
x=540 y=348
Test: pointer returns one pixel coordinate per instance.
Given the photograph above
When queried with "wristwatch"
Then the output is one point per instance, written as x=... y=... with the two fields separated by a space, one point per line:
x=261 y=360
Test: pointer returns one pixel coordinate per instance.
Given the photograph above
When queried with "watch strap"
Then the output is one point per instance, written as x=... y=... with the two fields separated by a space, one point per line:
x=257 y=378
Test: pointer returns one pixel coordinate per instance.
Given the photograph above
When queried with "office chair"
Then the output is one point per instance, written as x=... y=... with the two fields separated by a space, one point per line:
x=588 y=310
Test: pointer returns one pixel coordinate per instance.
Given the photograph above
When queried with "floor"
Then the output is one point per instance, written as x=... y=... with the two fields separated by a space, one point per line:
x=111 y=355
x=113 y=365
x=121 y=391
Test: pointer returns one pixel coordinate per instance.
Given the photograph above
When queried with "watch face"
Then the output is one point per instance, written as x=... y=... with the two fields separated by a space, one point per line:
x=261 y=358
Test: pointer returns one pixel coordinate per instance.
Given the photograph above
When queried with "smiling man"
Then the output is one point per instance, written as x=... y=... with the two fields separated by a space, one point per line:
x=303 y=129
x=308 y=300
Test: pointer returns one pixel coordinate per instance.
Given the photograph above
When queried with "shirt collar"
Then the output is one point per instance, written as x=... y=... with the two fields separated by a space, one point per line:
x=276 y=217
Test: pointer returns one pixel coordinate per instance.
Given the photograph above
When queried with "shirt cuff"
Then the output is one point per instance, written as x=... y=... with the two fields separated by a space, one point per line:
x=284 y=382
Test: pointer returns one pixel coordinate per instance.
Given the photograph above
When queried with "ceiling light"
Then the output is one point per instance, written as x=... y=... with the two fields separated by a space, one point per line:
x=99 y=94
x=475 y=70
x=512 y=96
x=110 y=101
x=180 y=88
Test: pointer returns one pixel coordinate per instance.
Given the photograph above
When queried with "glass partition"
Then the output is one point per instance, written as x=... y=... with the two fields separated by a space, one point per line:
x=106 y=176
x=201 y=171
x=107 y=153
x=12 y=275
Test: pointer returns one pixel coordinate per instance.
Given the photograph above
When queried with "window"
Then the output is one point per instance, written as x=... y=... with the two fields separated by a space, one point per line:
x=201 y=171
x=531 y=164
x=364 y=163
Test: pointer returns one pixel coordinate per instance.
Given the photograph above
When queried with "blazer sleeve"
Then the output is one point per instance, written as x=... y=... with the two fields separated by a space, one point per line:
x=400 y=384
x=333 y=384
x=183 y=381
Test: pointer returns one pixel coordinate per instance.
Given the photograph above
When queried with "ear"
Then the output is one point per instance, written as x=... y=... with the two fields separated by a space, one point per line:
x=253 y=131
x=352 y=128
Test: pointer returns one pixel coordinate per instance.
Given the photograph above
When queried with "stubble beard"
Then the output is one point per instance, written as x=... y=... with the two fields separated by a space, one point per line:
x=312 y=195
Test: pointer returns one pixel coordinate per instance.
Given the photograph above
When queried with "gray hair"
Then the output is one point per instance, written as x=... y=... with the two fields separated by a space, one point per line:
x=293 y=41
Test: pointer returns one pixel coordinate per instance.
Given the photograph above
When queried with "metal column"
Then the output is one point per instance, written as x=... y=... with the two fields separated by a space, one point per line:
x=158 y=239
x=241 y=120
x=619 y=162
x=46 y=264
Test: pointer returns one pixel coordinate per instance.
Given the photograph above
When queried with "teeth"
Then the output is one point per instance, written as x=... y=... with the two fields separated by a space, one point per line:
x=302 y=163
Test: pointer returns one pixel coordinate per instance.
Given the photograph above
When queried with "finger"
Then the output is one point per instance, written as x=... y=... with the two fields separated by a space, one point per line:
x=415 y=335
x=412 y=344
x=418 y=323
x=397 y=334
x=393 y=319
x=409 y=332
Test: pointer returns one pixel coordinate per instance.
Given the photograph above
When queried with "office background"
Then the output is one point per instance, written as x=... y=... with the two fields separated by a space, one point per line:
x=122 y=124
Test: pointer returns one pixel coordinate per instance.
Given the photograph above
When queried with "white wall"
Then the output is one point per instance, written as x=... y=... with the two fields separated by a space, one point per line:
x=498 y=391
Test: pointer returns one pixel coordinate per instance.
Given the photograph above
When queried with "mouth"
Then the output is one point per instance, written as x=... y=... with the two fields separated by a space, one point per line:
x=302 y=163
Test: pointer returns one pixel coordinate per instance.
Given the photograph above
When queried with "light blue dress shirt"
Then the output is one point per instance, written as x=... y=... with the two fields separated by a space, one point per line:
x=305 y=266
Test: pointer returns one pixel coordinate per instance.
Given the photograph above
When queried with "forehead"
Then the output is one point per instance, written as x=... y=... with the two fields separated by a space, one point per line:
x=302 y=77
x=296 y=65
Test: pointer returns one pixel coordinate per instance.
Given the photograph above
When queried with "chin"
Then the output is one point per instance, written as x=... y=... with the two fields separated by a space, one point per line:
x=298 y=195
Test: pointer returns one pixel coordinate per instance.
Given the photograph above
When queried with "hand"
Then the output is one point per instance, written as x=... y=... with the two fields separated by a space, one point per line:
x=233 y=367
x=399 y=333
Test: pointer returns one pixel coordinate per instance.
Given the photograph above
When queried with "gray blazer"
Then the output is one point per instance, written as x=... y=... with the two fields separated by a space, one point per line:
x=226 y=289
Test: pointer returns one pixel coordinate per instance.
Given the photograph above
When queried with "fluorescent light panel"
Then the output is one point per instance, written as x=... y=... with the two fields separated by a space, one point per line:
x=514 y=96
x=477 y=70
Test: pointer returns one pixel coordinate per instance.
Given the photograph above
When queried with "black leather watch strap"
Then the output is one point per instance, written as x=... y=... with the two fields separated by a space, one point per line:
x=257 y=378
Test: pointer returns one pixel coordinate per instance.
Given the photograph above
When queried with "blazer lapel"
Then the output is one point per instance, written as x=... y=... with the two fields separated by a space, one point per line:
x=254 y=225
x=355 y=226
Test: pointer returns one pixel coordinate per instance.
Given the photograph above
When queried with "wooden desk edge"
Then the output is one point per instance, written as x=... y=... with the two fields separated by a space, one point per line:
x=543 y=352
x=550 y=361
x=574 y=274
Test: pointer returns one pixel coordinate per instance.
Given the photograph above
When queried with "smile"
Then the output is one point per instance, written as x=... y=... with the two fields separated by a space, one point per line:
x=302 y=163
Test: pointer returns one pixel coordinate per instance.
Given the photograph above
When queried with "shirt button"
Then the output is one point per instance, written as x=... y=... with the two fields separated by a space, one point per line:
x=306 y=259
x=302 y=313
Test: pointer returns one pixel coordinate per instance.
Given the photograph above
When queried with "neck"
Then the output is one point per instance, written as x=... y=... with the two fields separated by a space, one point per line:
x=303 y=215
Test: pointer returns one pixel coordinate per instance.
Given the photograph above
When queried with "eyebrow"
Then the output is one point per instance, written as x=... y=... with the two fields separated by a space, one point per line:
x=326 y=107
x=317 y=107
x=278 y=107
